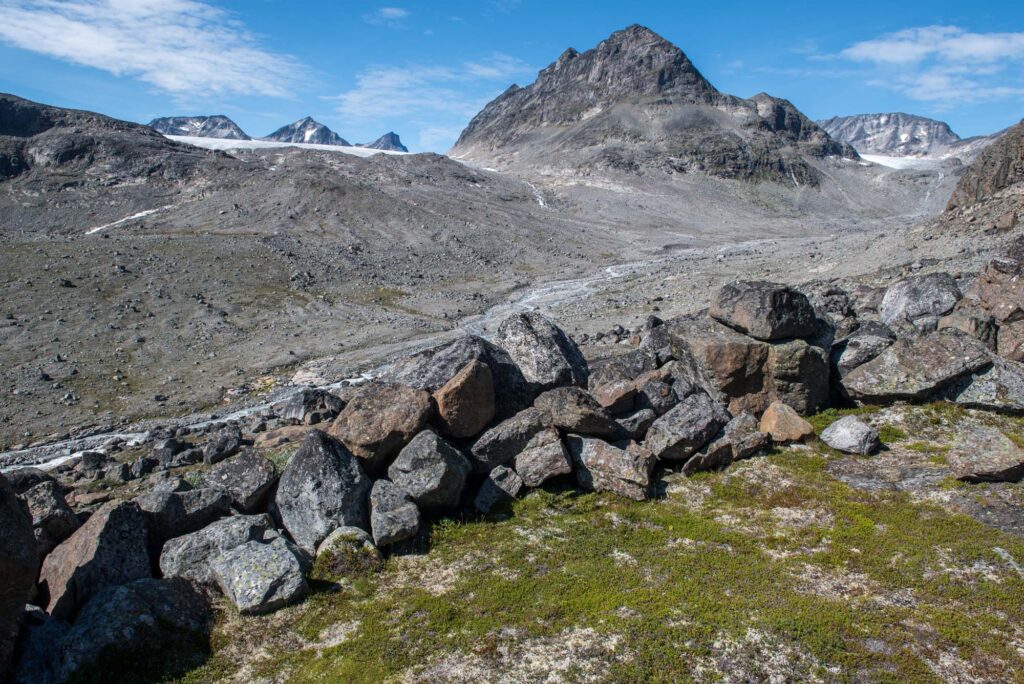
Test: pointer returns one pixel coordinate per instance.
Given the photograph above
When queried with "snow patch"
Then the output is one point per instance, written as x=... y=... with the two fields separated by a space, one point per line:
x=226 y=145
x=126 y=219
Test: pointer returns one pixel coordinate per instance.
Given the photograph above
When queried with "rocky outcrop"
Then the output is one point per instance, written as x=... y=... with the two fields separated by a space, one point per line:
x=381 y=419
x=986 y=455
x=170 y=514
x=216 y=126
x=547 y=356
x=997 y=168
x=323 y=487
x=19 y=562
x=307 y=131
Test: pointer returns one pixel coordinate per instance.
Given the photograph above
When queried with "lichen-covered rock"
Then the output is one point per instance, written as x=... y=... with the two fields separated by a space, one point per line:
x=637 y=423
x=248 y=478
x=190 y=556
x=924 y=296
x=1010 y=340
x=998 y=387
x=431 y=471
x=764 y=311
x=109 y=549
x=784 y=424
x=984 y=454
x=543 y=458
x=394 y=516
x=323 y=487
x=681 y=432
x=226 y=442
x=53 y=521
x=502 y=484
x=603 y=467
x=19 y=562
x=171 y=514
x=309 y=407
x=504 y=441
x=546 y=355
x=465 y=404
x=573 y=410
x=914 y=368
x=347 y=552
x=852 y=436
x=379 y=420
x=261 y=577
x=864 y=344
x=799 y=375
x=745 y=436
x=976 y=323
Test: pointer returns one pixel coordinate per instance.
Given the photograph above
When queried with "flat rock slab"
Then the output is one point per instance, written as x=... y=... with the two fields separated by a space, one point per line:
x=764 y=311
x=985 y=454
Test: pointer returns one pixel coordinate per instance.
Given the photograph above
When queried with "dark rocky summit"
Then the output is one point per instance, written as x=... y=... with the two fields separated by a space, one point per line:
x=308 y=131
x=217 y=126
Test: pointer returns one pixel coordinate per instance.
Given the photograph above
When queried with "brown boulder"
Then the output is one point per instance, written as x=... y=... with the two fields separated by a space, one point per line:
x=784 y=424
x=617 y=396
x=603 y=467
x=465 y=404
x=985 y=454
x=379 y=420
x=1010 y=341
x=765 y=311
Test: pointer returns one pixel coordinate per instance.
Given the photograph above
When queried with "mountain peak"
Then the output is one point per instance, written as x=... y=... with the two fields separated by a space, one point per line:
x=307 y=130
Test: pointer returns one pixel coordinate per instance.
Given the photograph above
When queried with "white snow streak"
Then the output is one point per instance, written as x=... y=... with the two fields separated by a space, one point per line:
x=225 y=145
x=126 y=219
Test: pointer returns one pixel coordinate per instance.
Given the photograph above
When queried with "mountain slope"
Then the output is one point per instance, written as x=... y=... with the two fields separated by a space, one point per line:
x=903 y=135
x=307 y=130
x=636 y=103
x=1000 y=167
x=388 y=141
x=217 y=126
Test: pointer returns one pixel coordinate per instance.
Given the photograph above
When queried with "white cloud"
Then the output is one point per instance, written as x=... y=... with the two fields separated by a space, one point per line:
x=179 y=46
x=387 y=16
x=945 y=65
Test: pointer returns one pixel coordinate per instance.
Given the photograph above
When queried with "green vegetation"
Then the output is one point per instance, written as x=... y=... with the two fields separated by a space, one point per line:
x=822 y=420
x=890 y=433
x=772 y=559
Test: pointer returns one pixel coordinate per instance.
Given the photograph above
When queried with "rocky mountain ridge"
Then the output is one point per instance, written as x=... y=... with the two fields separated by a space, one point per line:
x=388 y=141
x=904 y=135
x=307 y=131
x=217 y=126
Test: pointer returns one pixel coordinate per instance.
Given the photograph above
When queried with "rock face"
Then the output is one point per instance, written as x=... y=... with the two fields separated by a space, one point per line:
x=393 y=515
x=381 y=419
x=190 y=555
x=260 y=578
x=573 y=410
x=902 y=135
x=915 y=368
x=109 y=549
x=307 y=131
x=247 y=478
x=764 y=311
x=502 y=484
x=543 y=458
x=19 y=562
x=431 y=471
x=465 y=404
x=851 y=436
x=504 y=441
x=53 y=521
x=784 y=424
x=986 y=455
x=603 y=467
x=546 y=355
x=927 y=296
x=217 y=126
x=997 y=168
x=323 y=487
x=681 y=432
x=171 y=514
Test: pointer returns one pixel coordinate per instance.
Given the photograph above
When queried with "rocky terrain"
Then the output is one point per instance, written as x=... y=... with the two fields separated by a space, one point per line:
x=296 y=415
x=307 y=131
x=904 y=135
x=218 y=126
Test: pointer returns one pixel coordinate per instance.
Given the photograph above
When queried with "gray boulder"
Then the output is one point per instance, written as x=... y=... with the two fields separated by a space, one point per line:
x=681 y=432
x=393 y=514
x=323 y=487
x=764 y=311
x=745 y=436
x=919 y=297
x=39 y=647
x=604 y=467
x=19 y=562
x=171 y=514
x=53 y=521
x=637 y=423
x=714 y=455
x=431 y=471
x=573 y=410
x=545 y=354
x=260 y=578
x=109 y=549
x=657 y=396
x=850 y=435
x=502 y=484
x=622 y=368
x=309 y=407
x=543 y=458
x=998 y=387
x=225 y=443
x=248 y=478
x=190 y=556
x=507 y=439
x=864 y=344
x=916 y=368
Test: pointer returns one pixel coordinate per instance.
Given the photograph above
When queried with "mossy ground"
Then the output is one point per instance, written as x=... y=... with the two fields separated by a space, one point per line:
x=772 y=567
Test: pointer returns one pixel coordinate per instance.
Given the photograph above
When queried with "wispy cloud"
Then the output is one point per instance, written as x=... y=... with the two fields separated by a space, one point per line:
x=944 y=65
x=387 y=16
x=179 y=46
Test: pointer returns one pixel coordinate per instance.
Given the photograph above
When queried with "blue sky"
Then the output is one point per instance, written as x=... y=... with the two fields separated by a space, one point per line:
x=424 y=68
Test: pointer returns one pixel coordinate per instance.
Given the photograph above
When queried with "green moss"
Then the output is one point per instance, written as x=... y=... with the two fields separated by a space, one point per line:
x=889 y=433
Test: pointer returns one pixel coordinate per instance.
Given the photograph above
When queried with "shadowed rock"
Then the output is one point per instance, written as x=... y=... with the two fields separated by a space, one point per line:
x=764 y=311
x=852 y=436
x=19 y=562
x=260 y=578
x=431 y=471
x=248 y=478
x=502 y=484
x=546 y=355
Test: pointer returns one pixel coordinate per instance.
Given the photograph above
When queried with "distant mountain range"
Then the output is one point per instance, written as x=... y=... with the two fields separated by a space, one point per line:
x=303 y=131
x=904 y=135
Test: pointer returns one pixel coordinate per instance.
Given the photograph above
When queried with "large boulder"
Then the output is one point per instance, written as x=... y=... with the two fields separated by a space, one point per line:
x=681 y=432
x=617 y=397
x=852 y=436
x=502 y=484
x=785 y=425
x=764 y=311
x=465 y=404
x=248 y=479
x=656 y=395
x=261 y=577
x=543 y=458
x=573 y=410
x=929 y=296
x=226 y=442
x=19 y=562
x=603 y=467
x=546 y=355
x=190 y=556
x=431 y=471
x=799 y=375
x=109 y=549
x=998 y=387
x=322 y=487
x=915 y=368
x=379 y=420
x=984 y=454
x=53 y=521
x=504 y=441
x=432 y=369
x=309 y=407
x=171 y=514
x=394 y=516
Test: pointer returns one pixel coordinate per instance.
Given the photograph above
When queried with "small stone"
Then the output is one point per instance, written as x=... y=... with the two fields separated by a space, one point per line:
x=784 y=424
x=850 y=435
